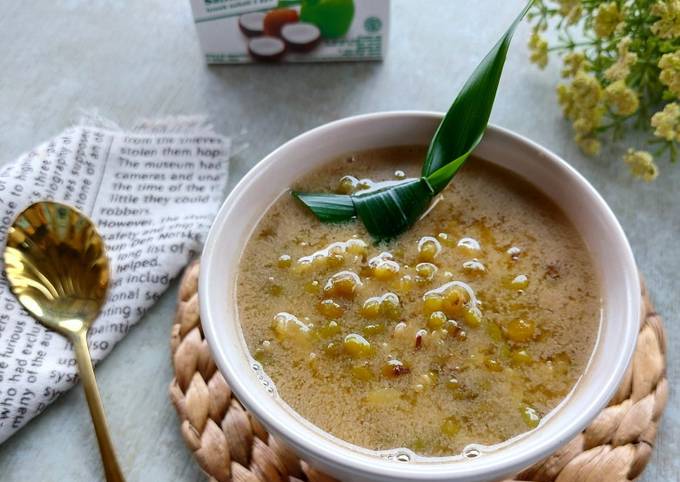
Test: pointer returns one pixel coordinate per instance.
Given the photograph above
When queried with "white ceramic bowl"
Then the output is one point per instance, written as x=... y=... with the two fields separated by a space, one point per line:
x=274 y=175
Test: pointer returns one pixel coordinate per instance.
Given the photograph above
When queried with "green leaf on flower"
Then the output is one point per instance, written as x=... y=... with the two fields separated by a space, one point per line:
x=391 y=208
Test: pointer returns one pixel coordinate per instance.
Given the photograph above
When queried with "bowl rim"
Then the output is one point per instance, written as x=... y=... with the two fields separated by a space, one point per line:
x=382 y=468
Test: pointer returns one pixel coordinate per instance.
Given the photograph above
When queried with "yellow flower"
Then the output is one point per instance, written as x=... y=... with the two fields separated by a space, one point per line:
x=620 y=69
x=582 y=103
x=622 y=99
x=589 y=145
x=539 y=50
x=641 y=165
x=587 y=123
x=667 y=122
x=573 y=63
x=670 y=71
x=587 y=90
x=570 y=10
x=668 y=25
x=565 y=97
x=607 y=18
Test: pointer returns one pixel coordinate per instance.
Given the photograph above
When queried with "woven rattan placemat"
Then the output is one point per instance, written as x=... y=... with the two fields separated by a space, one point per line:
x=229 y=444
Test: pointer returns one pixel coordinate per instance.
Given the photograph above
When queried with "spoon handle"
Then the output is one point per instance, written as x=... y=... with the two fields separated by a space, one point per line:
x=87 y=379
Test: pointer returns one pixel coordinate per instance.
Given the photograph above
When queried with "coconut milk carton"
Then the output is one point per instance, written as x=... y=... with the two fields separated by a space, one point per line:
x=240 y=31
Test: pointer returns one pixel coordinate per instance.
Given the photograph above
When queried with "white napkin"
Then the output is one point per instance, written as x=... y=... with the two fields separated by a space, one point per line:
x=152 y=191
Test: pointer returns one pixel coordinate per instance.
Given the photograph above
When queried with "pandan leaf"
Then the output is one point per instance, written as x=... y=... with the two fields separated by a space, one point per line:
x=463 y=127
x=329 y=208
x=440 y=178
x=391 y=209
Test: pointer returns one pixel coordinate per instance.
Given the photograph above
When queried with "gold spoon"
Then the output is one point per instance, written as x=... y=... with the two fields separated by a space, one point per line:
x=57 y=268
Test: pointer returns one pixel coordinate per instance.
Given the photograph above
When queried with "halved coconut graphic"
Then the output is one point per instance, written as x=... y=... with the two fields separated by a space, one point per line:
x=252 y=24
x=301 y=37
x=266 y=48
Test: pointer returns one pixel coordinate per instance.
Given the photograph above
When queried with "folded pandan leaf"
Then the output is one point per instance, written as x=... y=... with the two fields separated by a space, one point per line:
x=392 y=208
x=329 y=208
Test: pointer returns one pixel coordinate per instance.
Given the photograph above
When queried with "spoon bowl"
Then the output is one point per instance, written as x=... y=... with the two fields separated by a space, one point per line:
x=57 y=268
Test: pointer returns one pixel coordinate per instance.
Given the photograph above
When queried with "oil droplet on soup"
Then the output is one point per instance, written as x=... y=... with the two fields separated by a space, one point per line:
x=467 y=329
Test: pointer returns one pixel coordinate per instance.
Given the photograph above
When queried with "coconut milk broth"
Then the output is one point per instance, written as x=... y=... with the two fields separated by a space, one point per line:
x=467 y=329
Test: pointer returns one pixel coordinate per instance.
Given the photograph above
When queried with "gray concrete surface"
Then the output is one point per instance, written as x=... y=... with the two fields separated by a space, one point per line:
x=134 y=59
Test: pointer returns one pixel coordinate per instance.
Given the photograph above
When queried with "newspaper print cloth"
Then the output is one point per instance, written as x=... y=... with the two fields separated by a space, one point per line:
x=153 y=192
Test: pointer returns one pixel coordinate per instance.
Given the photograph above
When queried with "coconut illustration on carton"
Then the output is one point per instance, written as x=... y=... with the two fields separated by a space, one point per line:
x=273 y=33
